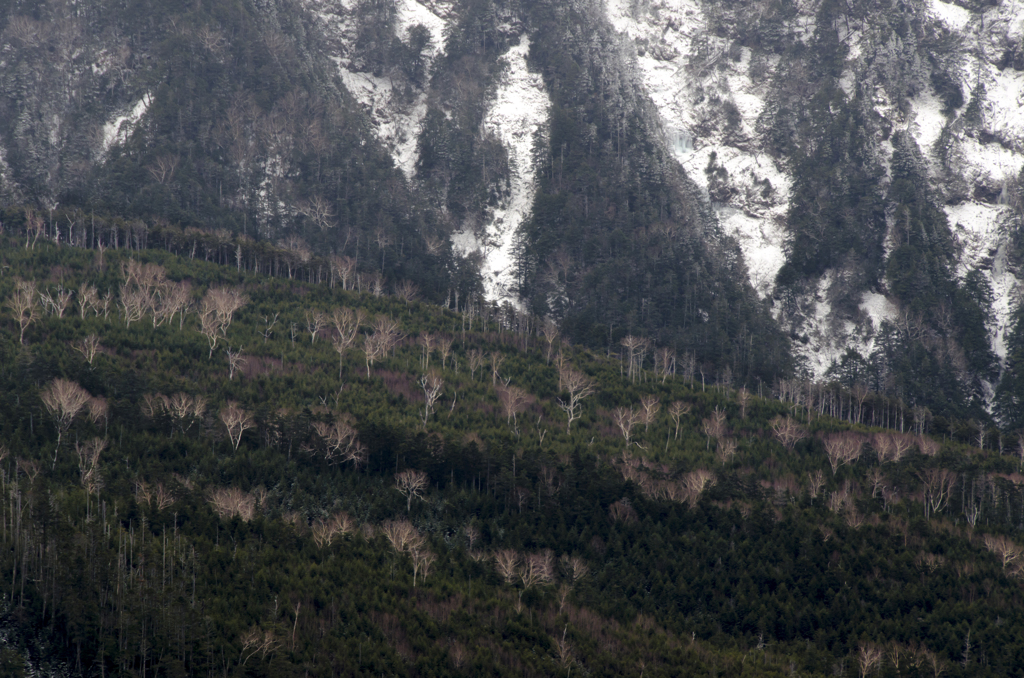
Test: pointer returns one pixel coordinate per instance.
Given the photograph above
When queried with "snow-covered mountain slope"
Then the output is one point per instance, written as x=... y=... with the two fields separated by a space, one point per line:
x=396 y=106
x=518 y=116
x=681 y=67
x=711 y=89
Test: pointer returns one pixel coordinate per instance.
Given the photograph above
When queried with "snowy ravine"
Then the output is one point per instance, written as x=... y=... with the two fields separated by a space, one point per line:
x=518 y=115
x=396 y=122
x=120 y=128
x=664 y=32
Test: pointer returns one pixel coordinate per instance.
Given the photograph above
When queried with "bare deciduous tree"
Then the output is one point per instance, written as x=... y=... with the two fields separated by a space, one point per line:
x=402 y=535
x=476 y=361
x=229 y=502
x=743 y=397
x=346 y=323
x=407 y=291
x=878 y=481
x=664 y=363
x=57 y=301
x=787 y=431
x=339 y=440
x=726 y=450
x=622 y=511
x=422 y=559
x=256 y=641
x=507 y=563
x=574 y=567
x=472 y=535
x=97 y=410
x=649 y=406
x=714 y=426
x=427 y=341
x=134 y=303
x=444 y=347
x=697 y=481
x=175 y=298
x=411 y=484
x=578 y=386
x=676 y=410
x=319 y=211
x=315 y=321
x=268 y=323
x=550 y=332
x=88 y=299
x=185 y=409
x=535 y=569
x=513 y=401
x=209 y=324
x=636 y=348
x=842 y=449
x=869 y=656
x=225 y=302
x=815 y=481
x=324 y=531
x=235 y=362
x=89 y=463
x=929 y=446
x=497 y=359
x=23 y=305
x=884 y=448
x=374 y=348
x=938 y=485
x=389 y=332
x=344 y=268
x=1007 y=550
x=64 y=400
x=625 y=419
x=163 y=168
x=237 y=421
x=88 y=347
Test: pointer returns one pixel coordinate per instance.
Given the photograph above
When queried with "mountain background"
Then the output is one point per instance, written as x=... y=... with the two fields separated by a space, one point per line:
x=829 y=190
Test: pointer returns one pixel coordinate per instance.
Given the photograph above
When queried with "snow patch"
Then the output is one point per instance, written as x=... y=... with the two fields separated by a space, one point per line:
x=396 y=125
x=1003 y=108
x=828 y=337
x=982 y=232
x=762 y=242
x=117 y=130
x=410 y=13
x=955 y=18
x=518 y=115
x=878 y=309
x=395 y=120
x=988 y=163
x=926 y=120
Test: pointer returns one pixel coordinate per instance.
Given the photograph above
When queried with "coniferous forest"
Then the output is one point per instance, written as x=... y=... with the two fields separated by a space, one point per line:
x=216 y=461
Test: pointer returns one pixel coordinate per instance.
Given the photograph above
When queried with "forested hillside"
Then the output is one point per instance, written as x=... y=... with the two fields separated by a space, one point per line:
x=210 y=469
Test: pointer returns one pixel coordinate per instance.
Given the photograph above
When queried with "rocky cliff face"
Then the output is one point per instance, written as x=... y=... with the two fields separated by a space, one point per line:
x=702 y=172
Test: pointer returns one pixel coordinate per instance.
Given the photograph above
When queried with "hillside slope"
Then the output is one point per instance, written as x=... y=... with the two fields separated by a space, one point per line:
x=207 y=470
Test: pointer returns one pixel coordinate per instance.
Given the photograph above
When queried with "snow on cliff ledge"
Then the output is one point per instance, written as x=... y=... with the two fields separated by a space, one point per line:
x=120 y=127
x=518 y=115
x=396 y=122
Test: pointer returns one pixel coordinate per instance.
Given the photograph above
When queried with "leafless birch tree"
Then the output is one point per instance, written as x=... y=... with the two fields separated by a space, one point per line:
x=411 y=484
x=64 y=400
x=237 y=421
x=578 y=386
